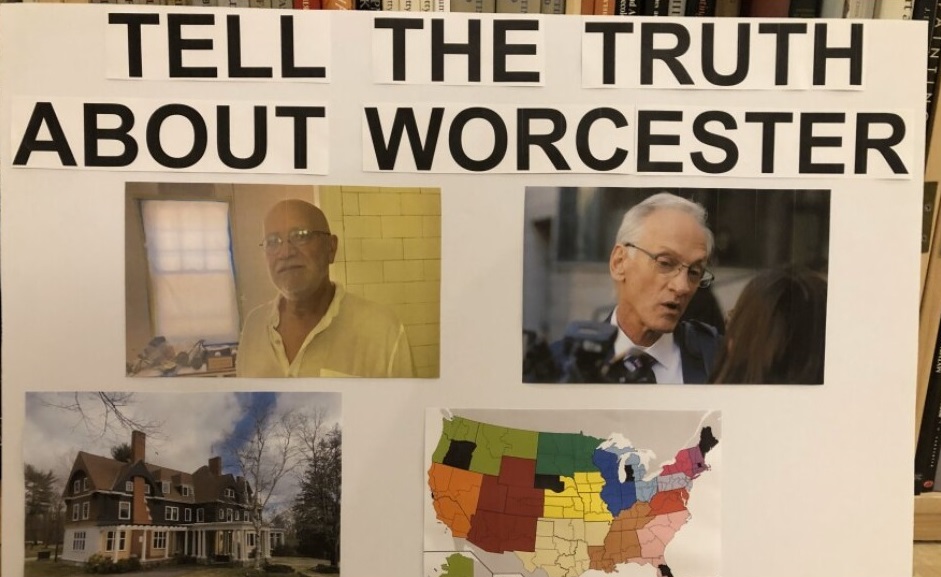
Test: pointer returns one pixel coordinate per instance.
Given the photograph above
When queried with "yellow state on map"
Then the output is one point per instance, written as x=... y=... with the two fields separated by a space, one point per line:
x=580 y=499
x=564 y=505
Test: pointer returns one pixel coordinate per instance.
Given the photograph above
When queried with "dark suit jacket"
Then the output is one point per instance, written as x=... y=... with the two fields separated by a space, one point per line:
x=698 y=343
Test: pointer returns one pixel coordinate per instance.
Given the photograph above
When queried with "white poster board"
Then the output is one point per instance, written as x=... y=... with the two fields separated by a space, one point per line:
x=811 y=475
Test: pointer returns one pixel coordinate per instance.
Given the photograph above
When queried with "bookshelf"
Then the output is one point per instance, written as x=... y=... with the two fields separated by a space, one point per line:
x=927 y=518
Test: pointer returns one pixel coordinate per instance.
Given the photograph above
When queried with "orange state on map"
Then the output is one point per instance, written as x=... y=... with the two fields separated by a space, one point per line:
x=455 y=493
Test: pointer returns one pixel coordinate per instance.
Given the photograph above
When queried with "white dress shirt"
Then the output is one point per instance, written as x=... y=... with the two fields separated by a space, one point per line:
x=669 y=365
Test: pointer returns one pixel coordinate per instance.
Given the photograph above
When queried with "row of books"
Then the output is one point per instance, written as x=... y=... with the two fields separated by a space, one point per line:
x=394 y=5
x=755 y=8
x=897 y=9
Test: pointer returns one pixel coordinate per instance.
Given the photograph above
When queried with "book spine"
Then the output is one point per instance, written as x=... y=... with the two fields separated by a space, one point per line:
x=552 y=7
x=701 y=8
x=894 y=9
x=934 y=62
x=859 y=9
x=439 y=5
x=804 y=9
x=461 y=5
x=728 y=8
x=602 y=7
x=929 y=437
x=390 y=5
x=766 y=8
x=928 y=10
x=831 y=9
x=678 y=7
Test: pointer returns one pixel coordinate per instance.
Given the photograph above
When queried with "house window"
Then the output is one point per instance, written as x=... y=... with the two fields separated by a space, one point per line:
x=124 y=510
x=75 y=509
x=185 y=490
x=147 y=488
x=171 y=514
x=78 y=541
x=165 y=487
x=109 y=541
x=85 y=484
x=236 y=514
x=86 y=508
x=187 y=515
x=248 y=516
x=77 y=487
x=189 y=253
x=221 y=514
x=160 y=540
x=229 y=493
x=228 y=514
x=122 y=541
x=250 y=539
x=129 y=486
x=200 y=517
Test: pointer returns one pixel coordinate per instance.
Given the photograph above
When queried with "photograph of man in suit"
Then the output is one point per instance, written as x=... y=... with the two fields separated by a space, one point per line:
x=658 y=262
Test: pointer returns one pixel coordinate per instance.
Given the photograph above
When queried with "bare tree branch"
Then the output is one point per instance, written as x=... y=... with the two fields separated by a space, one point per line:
x=104 y=412
x=275 y=446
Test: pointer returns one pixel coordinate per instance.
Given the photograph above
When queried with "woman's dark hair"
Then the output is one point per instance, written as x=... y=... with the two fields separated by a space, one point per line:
x=777 y=330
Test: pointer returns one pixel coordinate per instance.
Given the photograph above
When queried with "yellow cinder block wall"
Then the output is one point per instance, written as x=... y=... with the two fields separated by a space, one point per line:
x=392 y=255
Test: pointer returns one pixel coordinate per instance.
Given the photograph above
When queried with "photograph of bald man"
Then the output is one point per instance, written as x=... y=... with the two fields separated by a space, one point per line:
x=314 y=327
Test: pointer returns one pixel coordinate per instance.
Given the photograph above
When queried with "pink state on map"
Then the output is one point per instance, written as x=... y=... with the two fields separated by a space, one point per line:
x=688 y=461
x=656 y=535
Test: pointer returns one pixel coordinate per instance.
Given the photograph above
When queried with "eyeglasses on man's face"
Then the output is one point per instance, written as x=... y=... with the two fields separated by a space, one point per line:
x=667 y=265
x=296 y=237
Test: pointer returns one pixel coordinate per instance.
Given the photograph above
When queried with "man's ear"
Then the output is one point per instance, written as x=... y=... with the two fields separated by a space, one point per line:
x=616 y=263
x=334 y=244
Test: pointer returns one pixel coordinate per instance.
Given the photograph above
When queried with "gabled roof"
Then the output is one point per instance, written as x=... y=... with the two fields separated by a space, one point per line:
x=103 y=472
x=176 y=479
x=210 y=487
x=107 y=474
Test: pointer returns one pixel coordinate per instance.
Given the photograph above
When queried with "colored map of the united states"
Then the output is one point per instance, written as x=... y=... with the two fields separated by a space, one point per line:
x=562 y=502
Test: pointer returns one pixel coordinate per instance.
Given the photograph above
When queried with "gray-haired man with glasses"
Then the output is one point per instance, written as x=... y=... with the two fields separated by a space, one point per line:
x=657 y=264
x=314 y=327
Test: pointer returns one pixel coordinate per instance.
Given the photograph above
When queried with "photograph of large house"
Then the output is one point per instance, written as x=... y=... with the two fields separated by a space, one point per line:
x=116 y=481
x=153 y=512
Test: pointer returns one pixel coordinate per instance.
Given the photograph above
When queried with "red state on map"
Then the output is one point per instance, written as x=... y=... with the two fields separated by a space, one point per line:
x=517 y=472
x=501 y=533
x=492 y=495
x=666 y=502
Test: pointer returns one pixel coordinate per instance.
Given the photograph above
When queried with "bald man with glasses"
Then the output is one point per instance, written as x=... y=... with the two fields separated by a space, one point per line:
x=314 y=328
x=657 y=264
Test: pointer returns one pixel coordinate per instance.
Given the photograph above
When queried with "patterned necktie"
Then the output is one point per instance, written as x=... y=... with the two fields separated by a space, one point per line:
x=639 y=369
